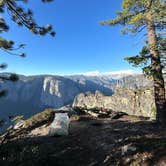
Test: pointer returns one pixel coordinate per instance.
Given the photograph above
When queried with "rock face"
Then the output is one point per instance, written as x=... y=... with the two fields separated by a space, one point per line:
x=32 y=94
x=133 y=102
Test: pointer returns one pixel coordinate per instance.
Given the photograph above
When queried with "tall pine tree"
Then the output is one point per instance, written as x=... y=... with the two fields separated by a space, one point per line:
x=149 y=15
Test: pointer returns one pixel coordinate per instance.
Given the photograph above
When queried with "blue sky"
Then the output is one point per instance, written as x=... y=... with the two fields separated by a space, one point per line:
x=81 y=44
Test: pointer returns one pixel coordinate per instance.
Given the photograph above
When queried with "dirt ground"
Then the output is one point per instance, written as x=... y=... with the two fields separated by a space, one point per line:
x=128 y=141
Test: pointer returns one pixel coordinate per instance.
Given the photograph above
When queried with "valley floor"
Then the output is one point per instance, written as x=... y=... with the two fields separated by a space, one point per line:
x=128 y=141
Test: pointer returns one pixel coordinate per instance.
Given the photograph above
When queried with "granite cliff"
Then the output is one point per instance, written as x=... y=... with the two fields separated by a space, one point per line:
x=32 y=94
x=133 y=102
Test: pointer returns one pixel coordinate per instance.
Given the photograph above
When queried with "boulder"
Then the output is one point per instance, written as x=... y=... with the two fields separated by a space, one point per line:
x=19 y=124
x=60 y=125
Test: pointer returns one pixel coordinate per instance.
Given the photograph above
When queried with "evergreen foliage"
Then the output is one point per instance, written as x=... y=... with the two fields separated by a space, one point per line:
x=21 y=17
x=143 y=58
x=134 y=15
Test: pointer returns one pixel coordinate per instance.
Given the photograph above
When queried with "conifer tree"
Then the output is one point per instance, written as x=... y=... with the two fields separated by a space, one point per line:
x=21 y=17
x=148 y=16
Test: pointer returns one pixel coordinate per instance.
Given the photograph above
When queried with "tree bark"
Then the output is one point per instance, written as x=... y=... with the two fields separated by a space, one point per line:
x=158 y=80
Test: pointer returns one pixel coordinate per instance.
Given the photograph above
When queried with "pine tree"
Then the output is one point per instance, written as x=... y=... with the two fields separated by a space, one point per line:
x=21 y=17
x=143 y=58
x=147 y=15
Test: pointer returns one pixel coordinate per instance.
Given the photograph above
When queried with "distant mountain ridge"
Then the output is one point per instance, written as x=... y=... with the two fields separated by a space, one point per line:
x=129 y=81
x=114 y=74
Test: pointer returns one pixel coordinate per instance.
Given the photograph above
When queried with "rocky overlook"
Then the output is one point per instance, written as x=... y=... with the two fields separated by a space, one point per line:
x=133 y=102
x=32 y=94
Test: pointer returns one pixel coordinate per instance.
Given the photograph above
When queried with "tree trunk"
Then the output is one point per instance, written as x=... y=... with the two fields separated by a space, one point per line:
x=158 y=81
